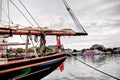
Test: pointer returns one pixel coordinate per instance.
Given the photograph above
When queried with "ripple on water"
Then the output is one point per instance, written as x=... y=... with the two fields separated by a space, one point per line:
x=74 y=70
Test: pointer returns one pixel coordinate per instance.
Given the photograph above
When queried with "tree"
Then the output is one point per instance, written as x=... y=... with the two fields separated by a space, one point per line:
x=100 y=48
x=74 y=50
x=110 y=49
x=47 y=49
x=83 y=50
x=31 y=50
x=19 y=50
x=38 y=49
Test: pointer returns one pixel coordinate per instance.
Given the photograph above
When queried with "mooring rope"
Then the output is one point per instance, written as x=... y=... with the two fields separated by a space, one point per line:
x=94 y=68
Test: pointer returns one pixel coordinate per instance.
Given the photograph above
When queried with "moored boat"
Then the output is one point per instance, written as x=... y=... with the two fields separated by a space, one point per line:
x=92 y=52
x=29 y=69
x=32 y=67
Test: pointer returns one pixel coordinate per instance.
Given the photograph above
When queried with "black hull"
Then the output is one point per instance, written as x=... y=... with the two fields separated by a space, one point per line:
x=37 y=75
x=33 y=69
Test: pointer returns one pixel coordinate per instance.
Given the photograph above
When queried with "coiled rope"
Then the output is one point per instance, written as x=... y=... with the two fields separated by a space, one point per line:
x=94 y=68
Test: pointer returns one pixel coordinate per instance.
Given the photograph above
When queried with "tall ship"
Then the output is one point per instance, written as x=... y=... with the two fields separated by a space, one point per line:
x=36 y=65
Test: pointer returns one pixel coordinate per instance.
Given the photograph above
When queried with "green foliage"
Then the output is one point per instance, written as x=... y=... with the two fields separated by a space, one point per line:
x=31 y=50
x=100 y=48
x=38 y=50
x=48 y=49
x=83 y=50
x=109 y=49
x=19 y=50
x=74 y=50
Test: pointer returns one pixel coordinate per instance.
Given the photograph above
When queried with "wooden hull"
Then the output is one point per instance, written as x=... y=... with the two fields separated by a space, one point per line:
x=33 y=69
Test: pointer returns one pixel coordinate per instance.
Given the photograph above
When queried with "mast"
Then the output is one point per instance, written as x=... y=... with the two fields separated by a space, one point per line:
x=26 y=47
x=0 y=22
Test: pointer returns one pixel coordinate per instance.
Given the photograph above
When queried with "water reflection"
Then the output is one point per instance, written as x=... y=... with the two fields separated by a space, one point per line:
x=75 y=70
x=97 y=59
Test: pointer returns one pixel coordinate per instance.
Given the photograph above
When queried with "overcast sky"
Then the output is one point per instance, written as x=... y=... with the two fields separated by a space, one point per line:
x=100 y=18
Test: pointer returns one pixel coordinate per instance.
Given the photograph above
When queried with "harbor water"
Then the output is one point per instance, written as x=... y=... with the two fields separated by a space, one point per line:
x=75 y=70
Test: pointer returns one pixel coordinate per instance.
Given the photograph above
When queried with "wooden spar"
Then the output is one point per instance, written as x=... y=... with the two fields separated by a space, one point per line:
x=26 y=47
x=9 y=44
x=36 y=32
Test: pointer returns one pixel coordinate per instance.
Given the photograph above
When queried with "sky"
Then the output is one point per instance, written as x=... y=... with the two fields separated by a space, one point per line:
x=100 y=18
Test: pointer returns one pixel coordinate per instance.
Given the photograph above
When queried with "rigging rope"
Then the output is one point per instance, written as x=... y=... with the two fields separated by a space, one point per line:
x=37 y=43
x=22 y=13
x=33 y=46
x=8 y=12
x=76 y=21
x=6 y=15
x=0 y=10
x=30 y=14
x=94 y=68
